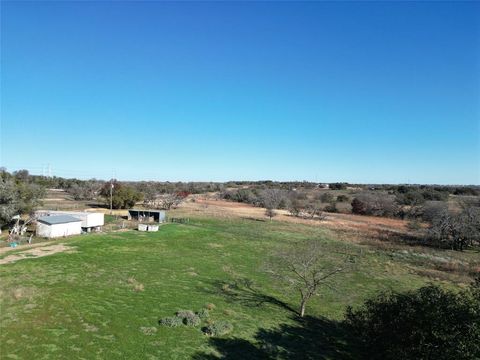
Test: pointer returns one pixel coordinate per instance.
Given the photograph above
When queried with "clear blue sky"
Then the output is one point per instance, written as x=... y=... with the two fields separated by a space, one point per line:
x=368 y=92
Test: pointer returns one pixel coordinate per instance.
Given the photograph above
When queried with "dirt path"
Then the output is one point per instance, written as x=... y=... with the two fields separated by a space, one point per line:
x=36 y=252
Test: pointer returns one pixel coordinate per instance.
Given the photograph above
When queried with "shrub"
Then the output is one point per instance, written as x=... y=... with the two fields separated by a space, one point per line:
x=210 y=306
x=331 y=208
x=374 y=204
x=182 y=314
x=428 y=323
x=343 y=198
x=203 y=314
x=171 y=321
x=338 y=186
x=192 y=320
x=326 y=197
x=218 y=328
x=414 y=225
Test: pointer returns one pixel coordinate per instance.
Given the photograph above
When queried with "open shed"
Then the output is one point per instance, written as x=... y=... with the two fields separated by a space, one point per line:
x=147 y=215
x=58 y=226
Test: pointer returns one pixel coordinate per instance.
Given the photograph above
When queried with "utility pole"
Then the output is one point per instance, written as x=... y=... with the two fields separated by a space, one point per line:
x=111 y=197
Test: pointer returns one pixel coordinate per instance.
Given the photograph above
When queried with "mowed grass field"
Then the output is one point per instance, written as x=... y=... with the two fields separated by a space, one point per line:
x=103 y=300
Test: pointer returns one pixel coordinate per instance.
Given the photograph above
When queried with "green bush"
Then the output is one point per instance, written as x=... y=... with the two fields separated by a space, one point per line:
x=428 y=323
x=171 y=321
x=203 y=314
x=182 y=314
x=192 y=320
x=218 y=328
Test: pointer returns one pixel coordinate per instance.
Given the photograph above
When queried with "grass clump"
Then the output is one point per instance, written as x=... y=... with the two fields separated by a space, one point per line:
x=182 y=314
x=210 y=306
x=218 y=328
x=148 y=330
x=193 y=320
x=203 y=314
x=171 y=321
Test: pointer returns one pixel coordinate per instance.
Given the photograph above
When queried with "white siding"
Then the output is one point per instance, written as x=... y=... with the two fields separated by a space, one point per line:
x=89 y=219
x=59 y=230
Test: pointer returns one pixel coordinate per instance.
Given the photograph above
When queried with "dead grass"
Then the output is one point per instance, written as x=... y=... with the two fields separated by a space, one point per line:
x=148 y=330
x=37 y=252
x=378 y=233
x=210 y=306
x=20 y=293
x=136 y=286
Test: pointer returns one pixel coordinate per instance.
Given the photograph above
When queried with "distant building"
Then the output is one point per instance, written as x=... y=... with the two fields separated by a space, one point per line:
x=157 y=216
x=90 y=220
x=58 y=226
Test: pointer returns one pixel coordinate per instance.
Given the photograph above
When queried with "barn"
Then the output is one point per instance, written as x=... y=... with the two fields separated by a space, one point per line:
x=157 y=216
x=90 y=220
x=58 y=226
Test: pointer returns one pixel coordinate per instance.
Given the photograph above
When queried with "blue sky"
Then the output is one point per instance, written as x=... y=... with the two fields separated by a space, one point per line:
x=370 y=92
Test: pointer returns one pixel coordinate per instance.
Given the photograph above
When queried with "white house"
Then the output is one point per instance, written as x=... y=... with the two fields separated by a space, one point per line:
x=90 y=220
x=58 y=226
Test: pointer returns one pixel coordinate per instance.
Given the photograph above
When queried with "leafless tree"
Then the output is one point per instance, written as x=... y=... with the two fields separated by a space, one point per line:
x=171 y=200
x=150 y=198
x=270 y=213
x=457 y=230
x=295 y=207
x=313 y=209
x=271 y=199
x=369 y=203
x=306 y=267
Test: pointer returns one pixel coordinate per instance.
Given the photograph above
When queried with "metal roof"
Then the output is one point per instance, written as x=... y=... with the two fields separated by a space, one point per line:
x=147 y=210
x=58 y=219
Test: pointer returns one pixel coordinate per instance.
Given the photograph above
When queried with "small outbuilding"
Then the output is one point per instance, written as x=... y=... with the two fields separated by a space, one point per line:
x=157 y=216
x=58 y=226
x=90 y=220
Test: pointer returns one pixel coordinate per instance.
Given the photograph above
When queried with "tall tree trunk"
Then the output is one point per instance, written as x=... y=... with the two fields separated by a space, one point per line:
x=302 y=307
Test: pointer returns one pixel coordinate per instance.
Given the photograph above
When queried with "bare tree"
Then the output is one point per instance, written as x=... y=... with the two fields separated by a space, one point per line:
x=313 y=209
x=271 y=199
x=295 y=207
x=305 y=268
x=171 y=200
x=369 y=203
x=457 y=230
x=270 y=213
x=150 y=197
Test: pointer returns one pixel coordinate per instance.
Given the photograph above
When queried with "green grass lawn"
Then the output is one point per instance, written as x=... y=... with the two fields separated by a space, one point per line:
x=84 y=304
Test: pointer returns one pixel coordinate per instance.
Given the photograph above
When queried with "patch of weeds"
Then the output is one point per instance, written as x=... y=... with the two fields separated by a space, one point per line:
x=203 y=314
x=171 y=321
x=152 y=330
x=136 y=286
x=192 y=320
x=218 y=328
x=228 y=312
x=90 y=328
x=210 y=306
x=182 y=314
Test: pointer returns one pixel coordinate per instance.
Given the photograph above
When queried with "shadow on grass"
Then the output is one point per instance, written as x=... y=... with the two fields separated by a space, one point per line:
x=308 y=338
x=242 y=291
